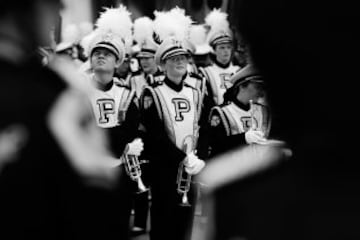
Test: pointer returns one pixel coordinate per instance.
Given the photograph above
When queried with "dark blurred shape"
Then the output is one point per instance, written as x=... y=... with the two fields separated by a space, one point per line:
x=306 y=50
x=99 y=5
x=214 y=4
x=146 y=8
x=196 y=5
x=202 y=60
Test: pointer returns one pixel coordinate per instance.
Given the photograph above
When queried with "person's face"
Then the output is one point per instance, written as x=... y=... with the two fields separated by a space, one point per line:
x=253 y=91
x=124 y=68
x=176 y=66
x=223 y=52
x=148 y=64
x=103 y=60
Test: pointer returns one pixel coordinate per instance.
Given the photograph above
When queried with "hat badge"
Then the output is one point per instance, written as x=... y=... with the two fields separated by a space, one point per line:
x=224 y=34
x=176 y=43
x=108 y=37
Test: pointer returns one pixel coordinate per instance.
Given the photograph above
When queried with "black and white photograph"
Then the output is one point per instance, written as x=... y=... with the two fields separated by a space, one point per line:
x=179 y=120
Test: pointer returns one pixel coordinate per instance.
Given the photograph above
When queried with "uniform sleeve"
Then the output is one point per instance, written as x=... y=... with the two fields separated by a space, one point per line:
x=158 y=145
x=219 y=142
x=203 y=142
x=126 y=132
x=208 y=90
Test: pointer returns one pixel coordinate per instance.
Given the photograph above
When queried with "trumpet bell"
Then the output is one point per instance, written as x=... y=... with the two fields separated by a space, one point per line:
x=185 y=201
x=141 y=187
x=133 y=169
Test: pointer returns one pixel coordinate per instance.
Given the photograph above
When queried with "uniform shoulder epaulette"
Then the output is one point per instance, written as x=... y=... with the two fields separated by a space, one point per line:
x=137 y=73
x=126 y=98
x=159 y=79
x=159 y=73
x=195 y=75
x=120 y=83
x=158 y=83
x=188 y=85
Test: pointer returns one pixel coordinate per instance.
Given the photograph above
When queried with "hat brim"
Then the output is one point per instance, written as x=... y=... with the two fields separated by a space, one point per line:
x=174 y=53
x=252 y=79
x=106 y=46
x=120 y=56
x=145 y=55
x=221 y=41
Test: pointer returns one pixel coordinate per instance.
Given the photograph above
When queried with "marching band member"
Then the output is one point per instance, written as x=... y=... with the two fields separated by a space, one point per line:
x=170 y=116
x=176 y=23
x=115 y=111
x=243 y=120
x=150 y=72
x=149 y=75
x=220 y=39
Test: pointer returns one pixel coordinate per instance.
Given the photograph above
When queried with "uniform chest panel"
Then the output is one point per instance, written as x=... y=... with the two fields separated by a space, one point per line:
x=180 y=115
x=106 y=106
x=241 y=120
x=220 y=80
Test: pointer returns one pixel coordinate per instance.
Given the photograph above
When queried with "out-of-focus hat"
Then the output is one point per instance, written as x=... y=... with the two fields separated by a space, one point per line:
x=246 y=74
x=143 y=35
x=198 y=38
x=173 y=23
x=70 y=36
x=148 y=48
x=220 y=31
x=189 y=46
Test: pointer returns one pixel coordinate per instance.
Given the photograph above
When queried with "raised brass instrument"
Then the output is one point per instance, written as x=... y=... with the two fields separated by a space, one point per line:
x=133 y=169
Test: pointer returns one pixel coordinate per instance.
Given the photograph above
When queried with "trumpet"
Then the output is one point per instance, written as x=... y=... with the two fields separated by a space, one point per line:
x=133 y=169
x=260 y=117
x=183 y=184
x=252 y=115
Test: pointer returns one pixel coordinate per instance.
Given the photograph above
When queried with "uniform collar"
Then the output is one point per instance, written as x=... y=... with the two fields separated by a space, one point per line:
x=224 y=66
x=102 y=87
x=174 y=86
x=245 y=107
x=158 y=72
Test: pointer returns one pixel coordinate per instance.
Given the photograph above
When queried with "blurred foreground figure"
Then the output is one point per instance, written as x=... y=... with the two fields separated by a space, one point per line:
x=315 y=194
x=48 y=143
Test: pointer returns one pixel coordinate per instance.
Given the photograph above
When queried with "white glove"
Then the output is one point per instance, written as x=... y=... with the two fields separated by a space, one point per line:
x=193 y=165
x=135 y=147
x=254 y=136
